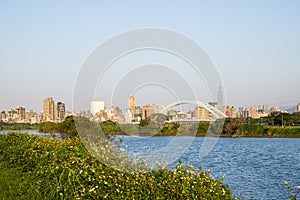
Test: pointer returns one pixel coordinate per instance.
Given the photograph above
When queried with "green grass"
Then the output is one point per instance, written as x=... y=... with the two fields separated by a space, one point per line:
x=268 y=131
x=35 y=167
x=14 y=184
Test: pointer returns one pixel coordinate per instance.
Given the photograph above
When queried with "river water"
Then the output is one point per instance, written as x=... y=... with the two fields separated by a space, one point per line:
x=33 y=132
x=255 y=168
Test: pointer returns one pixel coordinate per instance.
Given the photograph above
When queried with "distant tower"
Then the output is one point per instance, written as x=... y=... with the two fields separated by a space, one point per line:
x=48 y=108
x=220 y=96
x=131 y=102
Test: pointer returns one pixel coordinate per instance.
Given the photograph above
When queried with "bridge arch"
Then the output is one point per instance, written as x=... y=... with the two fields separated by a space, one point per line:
x=217 y=114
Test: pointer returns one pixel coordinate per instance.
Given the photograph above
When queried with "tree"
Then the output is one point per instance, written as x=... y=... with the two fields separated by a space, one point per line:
x=145 y=122
x=110 y=127
x=68 y=126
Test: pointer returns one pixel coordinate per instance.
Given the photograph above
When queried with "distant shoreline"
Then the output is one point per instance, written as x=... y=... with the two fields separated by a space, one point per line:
x=207 y=135
x=183 y=135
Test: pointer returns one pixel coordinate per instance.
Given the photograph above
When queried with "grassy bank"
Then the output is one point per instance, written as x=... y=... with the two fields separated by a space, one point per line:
x=256 y=130
x=34 y=167
x=230 y=128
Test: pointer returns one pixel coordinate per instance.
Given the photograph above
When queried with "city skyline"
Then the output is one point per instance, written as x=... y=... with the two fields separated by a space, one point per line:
x=134 y=113
x=254 y=45
x=135 y=102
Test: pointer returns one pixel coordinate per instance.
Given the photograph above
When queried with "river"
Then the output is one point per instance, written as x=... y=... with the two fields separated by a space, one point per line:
x=255 y=168
x=33 y=132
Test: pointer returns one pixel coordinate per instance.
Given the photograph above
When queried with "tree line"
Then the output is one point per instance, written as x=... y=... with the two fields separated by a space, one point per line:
x=277 y=124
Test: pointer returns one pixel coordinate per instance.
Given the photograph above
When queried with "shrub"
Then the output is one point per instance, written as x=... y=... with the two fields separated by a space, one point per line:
x=47 y=168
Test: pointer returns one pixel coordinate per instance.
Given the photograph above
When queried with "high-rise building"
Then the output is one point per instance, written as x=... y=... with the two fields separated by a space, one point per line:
x=31 y=117
x=240 y=113
x=48 y=109
x=147 y=111
x=275 y=109
x=20 y=113
x=230 y=111
x=61 y=111
x=10 y=114
x=265 y=109
x=157 y=108
x=220 y=96
x=246 y=113
x=227 y=111
x=97 y=106
x=252 y=112
x=190 y=114
x=233 y=112
x=55 y=112
x=298 y=107
x=136 y=113
x=131 y=102
x=3 y=115
x=202 y=114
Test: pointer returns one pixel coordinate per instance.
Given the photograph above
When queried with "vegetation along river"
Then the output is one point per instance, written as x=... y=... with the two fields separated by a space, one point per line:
x=255 y=168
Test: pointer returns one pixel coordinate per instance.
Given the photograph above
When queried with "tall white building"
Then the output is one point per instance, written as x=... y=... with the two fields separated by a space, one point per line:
x=97 y=106
x=298 y=107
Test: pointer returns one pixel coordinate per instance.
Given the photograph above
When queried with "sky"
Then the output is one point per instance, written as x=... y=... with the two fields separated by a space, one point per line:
x=254 y=45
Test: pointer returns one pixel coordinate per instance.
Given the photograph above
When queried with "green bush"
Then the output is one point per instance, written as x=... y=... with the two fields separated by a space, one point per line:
x=35 y=167
x=286 y=131
x=252 y=129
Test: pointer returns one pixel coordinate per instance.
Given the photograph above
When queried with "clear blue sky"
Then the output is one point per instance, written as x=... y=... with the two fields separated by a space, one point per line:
x=254 y=44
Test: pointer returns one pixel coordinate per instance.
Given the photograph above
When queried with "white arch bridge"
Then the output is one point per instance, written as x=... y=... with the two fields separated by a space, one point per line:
x=216 y=113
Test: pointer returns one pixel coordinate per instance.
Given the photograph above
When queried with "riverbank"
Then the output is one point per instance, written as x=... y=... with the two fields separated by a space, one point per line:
x=211 y=135
x=35 y=167
x=230 y=128
x=256 y=130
